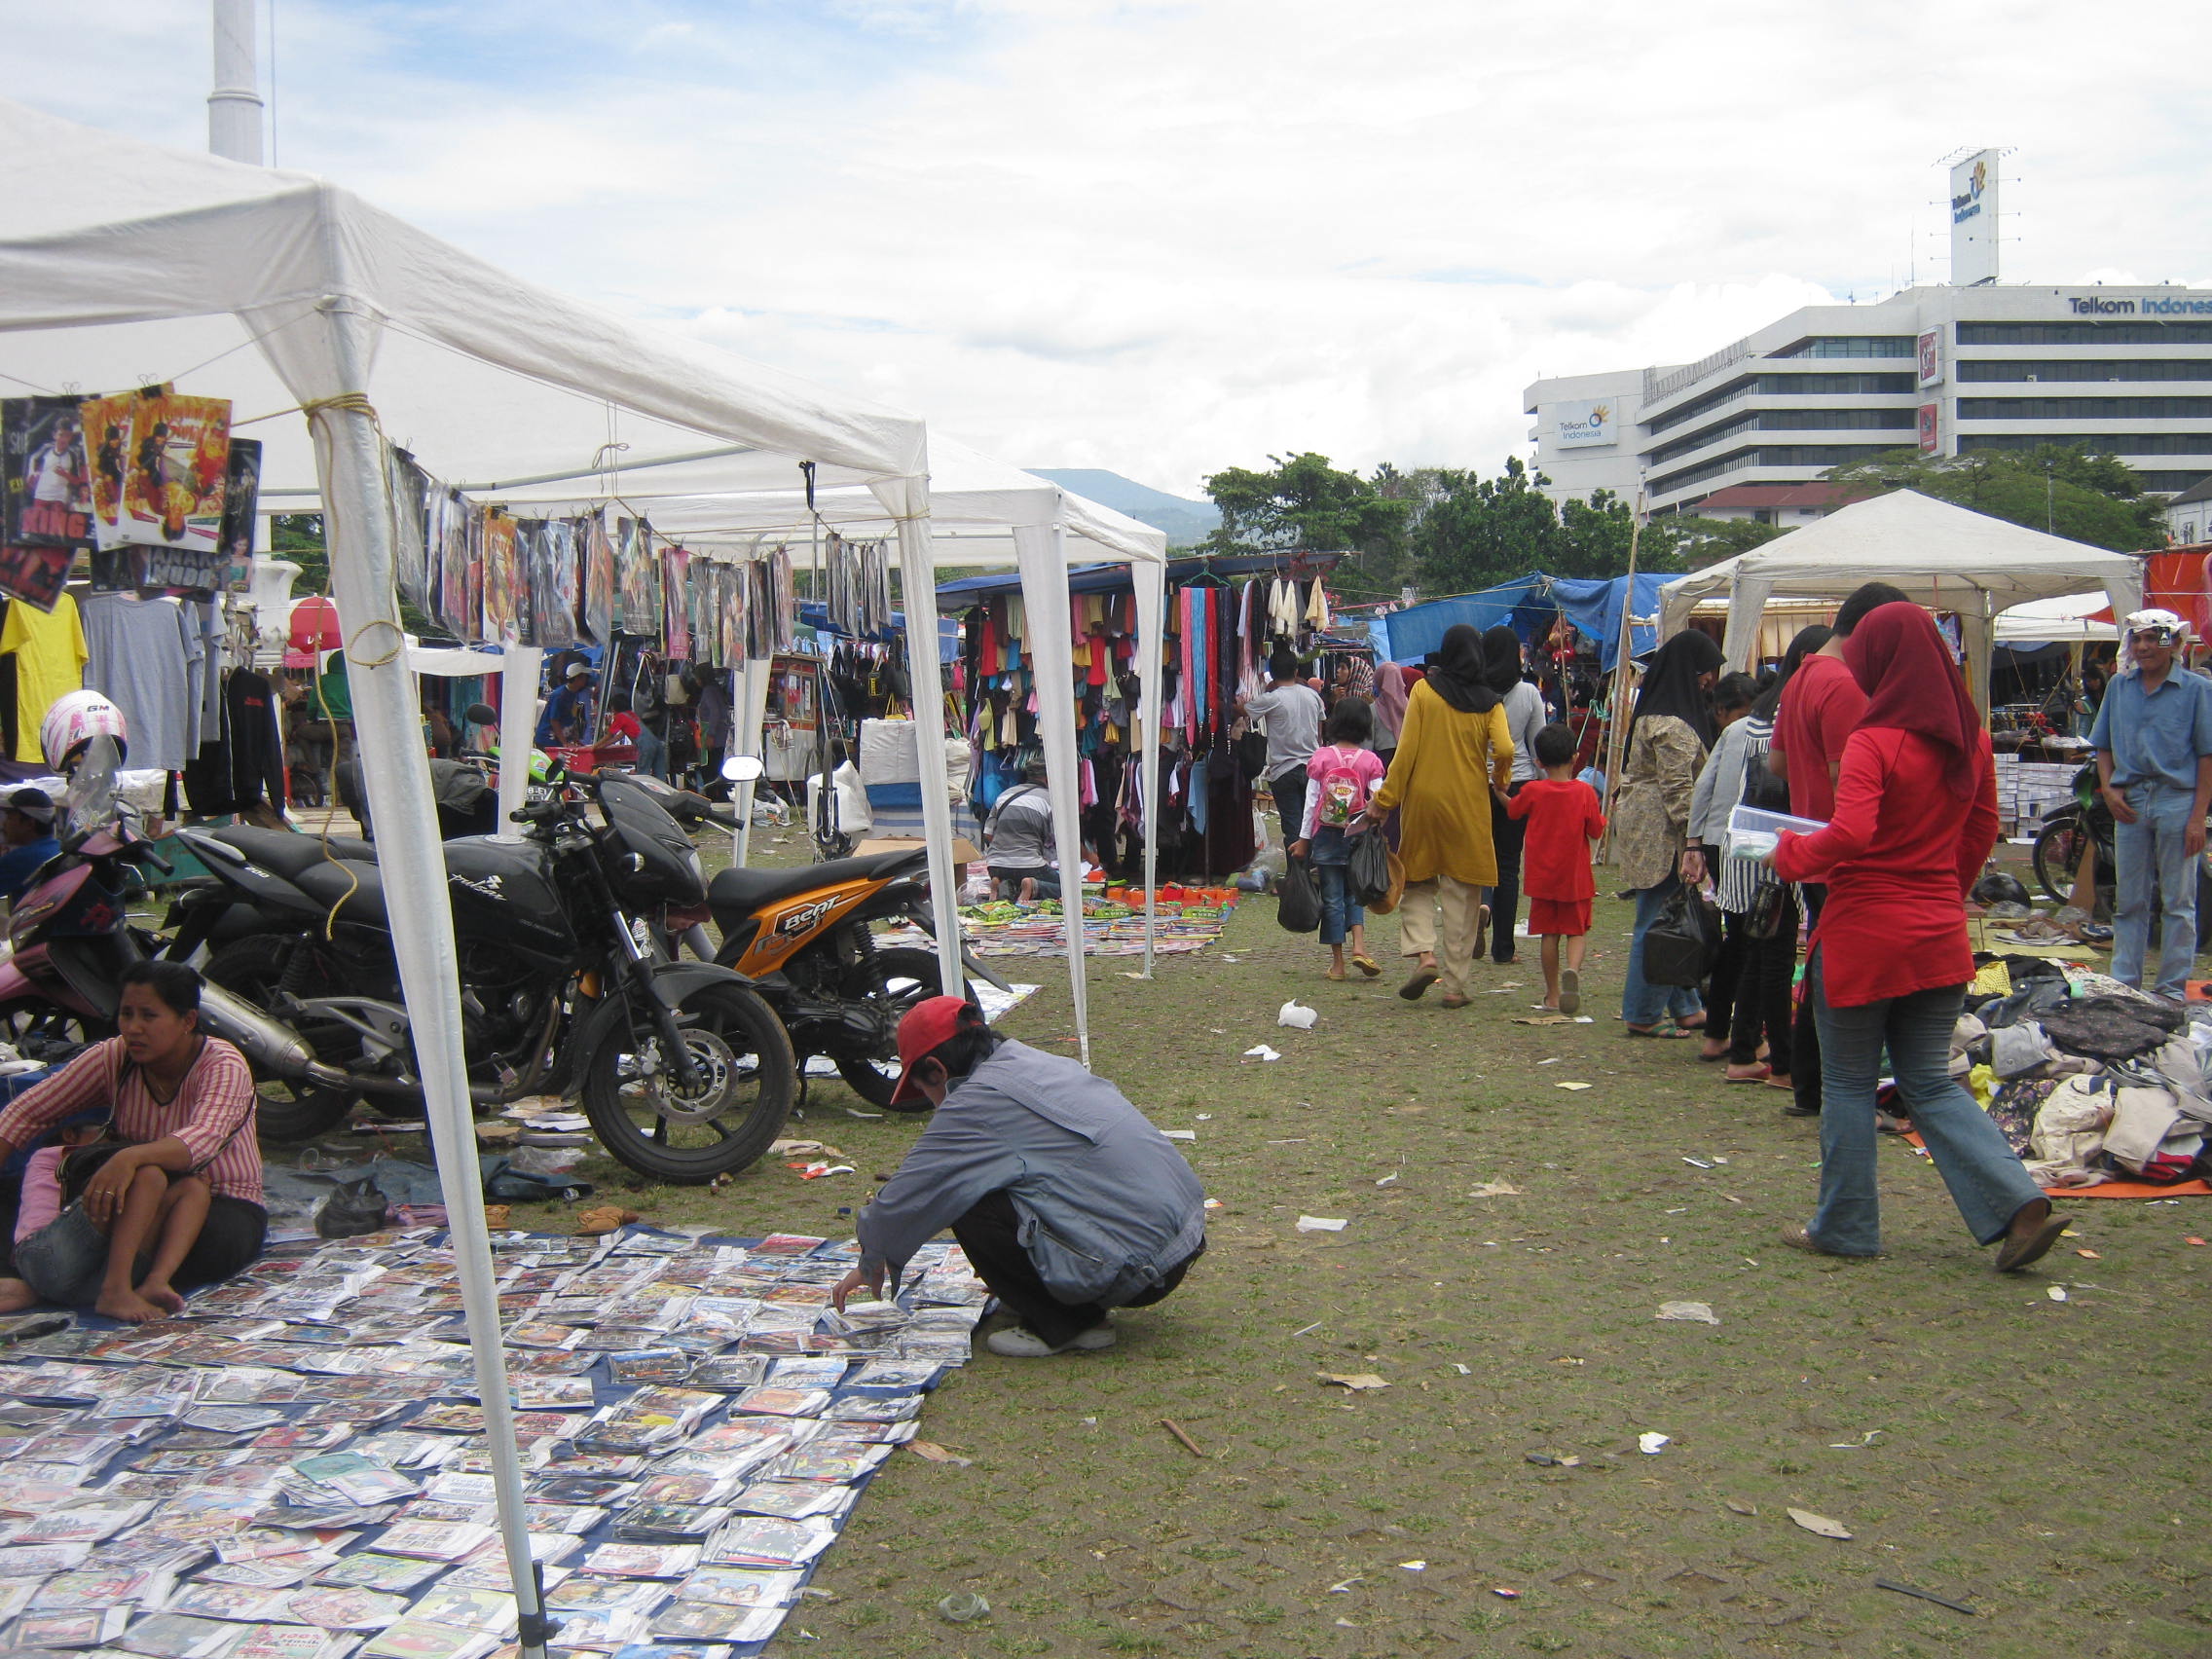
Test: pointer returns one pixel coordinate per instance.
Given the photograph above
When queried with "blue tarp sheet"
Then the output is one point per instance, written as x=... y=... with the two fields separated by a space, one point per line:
x=1529 y=604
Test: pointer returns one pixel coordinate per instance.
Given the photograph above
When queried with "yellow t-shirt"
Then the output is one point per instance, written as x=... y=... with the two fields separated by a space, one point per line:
x=49 y=663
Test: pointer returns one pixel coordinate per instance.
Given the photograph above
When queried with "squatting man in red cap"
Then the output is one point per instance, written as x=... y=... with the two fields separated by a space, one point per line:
x=1067 y=1199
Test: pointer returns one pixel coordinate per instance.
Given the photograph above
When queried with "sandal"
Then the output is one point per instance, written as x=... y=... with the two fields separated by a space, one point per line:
x=2024 y=1249
x=1337 y=976
x=1454 y=1001
x=1757 y=1073
x=1801 y=1239
x=1367 y=965
x=1569 y=991
x=1416 y=987
x=1668 y=1033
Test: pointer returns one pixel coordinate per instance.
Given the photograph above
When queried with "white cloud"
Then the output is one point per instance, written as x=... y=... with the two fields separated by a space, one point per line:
x=1168 y=237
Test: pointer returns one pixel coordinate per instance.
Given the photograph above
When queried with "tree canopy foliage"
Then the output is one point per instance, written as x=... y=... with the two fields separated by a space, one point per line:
x=2093 y=498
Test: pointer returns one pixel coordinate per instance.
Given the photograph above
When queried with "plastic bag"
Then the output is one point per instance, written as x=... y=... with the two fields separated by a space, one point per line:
x=1297 y=904
x=1367 y=872
x=353 y=1208
x=1679 y=947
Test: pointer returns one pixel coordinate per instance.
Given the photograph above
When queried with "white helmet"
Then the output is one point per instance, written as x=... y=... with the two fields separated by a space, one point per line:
x=74 y=721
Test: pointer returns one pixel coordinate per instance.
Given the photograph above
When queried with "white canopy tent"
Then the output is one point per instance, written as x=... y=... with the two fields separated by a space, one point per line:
x=1944 y=557
x=2069 y=619
x=125 y=265
x=982 y=512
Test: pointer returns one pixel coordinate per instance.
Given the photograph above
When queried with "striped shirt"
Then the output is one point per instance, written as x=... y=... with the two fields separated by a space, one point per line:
x=212 y=1113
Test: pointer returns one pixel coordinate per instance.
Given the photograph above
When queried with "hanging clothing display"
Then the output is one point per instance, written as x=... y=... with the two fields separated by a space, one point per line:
x=50 y=652
x=141 y=656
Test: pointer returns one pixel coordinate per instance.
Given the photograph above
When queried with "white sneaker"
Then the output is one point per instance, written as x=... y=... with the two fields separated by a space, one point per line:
x=1020 y=1342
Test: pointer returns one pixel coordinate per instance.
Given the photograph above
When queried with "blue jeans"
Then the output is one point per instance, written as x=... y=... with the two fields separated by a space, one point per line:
x=2152 y=847
x=1642 y=1003
x=1987 y=1182
x=1328 y=858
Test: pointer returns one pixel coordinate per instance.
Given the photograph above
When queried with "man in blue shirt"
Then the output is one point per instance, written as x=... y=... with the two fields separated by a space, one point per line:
x=27 y=827
x=567 y=717
x=2154 y=741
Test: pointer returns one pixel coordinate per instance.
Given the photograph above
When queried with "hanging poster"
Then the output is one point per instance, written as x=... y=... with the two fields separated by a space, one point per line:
x=599 y=582
x=178 y=572
x=736 y=612
x=242 y=503
x=410 y=488
x=636 y=569
x=49 y=475
x=499 y=566
x=107 y=423
x=179 y=469
x=675 y=592
x=34 y=574
x=553 y=585
x=447 y=538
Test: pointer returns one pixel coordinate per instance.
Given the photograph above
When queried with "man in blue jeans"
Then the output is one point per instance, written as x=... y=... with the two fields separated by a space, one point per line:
x=2153 y=743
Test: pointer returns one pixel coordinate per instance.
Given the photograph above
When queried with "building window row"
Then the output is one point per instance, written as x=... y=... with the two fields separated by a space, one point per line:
x=2159 y=483
x=2084 y=408
x=1791 y=421
x=2121 y=444
x=1783 y=454
x=1853 y=346
x=1979 y=369
x=2085 y=334
x=1786 y=385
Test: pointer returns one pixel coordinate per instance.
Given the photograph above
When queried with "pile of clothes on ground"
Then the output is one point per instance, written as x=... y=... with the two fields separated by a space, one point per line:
x=2090 y=1081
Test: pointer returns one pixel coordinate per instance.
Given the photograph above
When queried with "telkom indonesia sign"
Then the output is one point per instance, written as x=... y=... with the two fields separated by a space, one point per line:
x=1974 y=220
x=1576 y=425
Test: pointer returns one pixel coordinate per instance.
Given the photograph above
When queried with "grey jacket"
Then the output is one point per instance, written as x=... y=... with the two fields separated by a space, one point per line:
x=1107 y=1204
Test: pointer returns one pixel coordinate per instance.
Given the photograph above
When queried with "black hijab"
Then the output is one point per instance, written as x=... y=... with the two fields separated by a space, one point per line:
x=1502 y=658
x=1457 y=672
x=1671 y=687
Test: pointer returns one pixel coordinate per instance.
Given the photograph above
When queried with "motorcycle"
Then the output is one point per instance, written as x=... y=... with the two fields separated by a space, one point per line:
x=2067 y=832
x=686 y=1072
x=803 y=938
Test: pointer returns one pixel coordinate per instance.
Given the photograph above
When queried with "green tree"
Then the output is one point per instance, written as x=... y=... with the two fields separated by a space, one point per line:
x=1700 y=541
x=1305 y=503
x=2092 y=498
x=1477 y=532
x=298 y=536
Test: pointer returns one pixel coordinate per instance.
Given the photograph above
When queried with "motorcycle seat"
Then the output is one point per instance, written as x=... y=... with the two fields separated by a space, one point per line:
x=328 y=884
x=744 y=891
x=289 y=853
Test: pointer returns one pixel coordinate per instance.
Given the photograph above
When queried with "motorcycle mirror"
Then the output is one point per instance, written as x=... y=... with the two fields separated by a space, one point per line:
x=743 y=768
x=482 y=714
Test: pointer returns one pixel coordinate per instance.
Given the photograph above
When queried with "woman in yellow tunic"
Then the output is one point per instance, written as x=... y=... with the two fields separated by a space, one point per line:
x=1454 y=749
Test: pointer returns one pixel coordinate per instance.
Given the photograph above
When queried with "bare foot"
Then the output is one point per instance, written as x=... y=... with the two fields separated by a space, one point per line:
x=16 y=1295
x=128 y=1306
x=161 y=1296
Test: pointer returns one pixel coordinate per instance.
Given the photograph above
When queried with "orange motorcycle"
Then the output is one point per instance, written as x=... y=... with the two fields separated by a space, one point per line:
x=802 y=938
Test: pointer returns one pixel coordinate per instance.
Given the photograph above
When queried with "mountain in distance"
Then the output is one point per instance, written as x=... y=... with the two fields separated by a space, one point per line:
x=1186 y=522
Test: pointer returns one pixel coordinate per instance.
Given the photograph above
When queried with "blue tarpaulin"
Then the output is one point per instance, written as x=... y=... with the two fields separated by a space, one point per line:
x=1529 y=604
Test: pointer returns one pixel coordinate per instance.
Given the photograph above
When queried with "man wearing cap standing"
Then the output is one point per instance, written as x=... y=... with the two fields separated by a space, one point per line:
x=27 y=828
x=2154 y=741
x=567 y=718
x=1066 y=1201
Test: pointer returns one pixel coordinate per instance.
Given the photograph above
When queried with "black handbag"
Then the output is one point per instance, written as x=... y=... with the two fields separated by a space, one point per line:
x=1367 y=872
x=1252 y=755
x=1679 y=947
x=1298 y=906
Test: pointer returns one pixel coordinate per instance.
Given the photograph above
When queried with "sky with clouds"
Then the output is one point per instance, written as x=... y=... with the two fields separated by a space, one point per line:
x=1164 y=237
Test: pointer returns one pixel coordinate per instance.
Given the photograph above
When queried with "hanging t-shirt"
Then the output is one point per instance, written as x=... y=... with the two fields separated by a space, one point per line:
x=50 y=662
x=142 y=653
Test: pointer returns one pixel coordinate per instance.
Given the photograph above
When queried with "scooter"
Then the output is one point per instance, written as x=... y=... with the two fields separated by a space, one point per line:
x=802 y=939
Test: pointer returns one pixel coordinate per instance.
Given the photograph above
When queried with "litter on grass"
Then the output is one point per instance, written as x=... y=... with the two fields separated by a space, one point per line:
x=1295 y=1016
x=1652 y=1445
x=1261 y=1052
x=2056 y=1292
x=1496 y=1189
x=1181 y=1135
x=1571 y=1085
x=1321 y=1224
x=937 y=1453
x=1357 y=1382
x=1740 y=1506
x=1820 y=1524
x=963 y=1608
x=1688 y=1312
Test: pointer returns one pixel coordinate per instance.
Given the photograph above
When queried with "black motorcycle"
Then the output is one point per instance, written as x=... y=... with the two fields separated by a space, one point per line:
x=686 y=1072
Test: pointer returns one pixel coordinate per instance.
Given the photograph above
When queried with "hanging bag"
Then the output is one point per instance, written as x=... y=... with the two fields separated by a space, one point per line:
x=1299 y=903
x=1367 y=872
x=1679 y=947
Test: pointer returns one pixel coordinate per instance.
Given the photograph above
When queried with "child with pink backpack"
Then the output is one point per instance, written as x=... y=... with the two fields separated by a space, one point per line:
x=1339 y=777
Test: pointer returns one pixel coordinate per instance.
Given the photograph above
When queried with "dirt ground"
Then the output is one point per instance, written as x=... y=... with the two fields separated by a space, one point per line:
x=2035 y=1460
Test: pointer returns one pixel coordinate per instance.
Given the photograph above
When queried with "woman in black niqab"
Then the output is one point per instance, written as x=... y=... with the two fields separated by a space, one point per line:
x=1674 y=683
x=1457 y=674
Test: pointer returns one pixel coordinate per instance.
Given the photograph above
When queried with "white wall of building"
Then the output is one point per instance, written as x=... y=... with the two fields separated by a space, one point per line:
x=1564 y=434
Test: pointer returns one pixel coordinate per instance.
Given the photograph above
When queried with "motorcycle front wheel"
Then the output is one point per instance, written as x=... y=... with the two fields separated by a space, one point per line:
x=2059 y=845
x=747 y=1081
x=898 y=979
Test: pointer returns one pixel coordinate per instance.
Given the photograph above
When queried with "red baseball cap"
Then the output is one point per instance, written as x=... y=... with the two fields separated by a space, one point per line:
x=928 y=1026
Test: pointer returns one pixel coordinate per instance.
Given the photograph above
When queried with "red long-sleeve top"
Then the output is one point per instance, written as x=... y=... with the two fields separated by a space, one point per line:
x=1898 y=857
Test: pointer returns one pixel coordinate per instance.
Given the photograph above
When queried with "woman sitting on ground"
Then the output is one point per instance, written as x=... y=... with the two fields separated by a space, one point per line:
x=177 y=1203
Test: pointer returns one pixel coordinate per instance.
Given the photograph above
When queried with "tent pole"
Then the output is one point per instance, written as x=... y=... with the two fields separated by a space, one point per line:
x=917 y=578
x=1616 y=730
x=410 y=859
x=1042 y=554
x=752 y=686
x=519 y=667
x=1149 y=584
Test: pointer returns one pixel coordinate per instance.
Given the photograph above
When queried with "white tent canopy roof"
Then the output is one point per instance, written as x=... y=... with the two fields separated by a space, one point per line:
x=1945 y=557
x=975 y=502
x=2068 y=619
x=134 y=265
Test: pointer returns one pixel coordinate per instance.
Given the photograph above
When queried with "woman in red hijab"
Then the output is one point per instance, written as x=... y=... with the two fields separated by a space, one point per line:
x=1915 y=815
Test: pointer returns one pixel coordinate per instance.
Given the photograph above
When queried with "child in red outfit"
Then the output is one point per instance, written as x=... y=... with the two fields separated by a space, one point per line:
x=1564 y=818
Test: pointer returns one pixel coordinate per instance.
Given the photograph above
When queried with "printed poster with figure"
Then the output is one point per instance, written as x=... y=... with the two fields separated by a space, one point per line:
x=676 y=587
x=35 y=576
x=49 y=475
x=107 y=426
x=242 y=502
x=450 y=534
x=553 y=585
x=410 y=490
x=499 y=567
x=176 y=473
x=637 y=570
x=599 y=582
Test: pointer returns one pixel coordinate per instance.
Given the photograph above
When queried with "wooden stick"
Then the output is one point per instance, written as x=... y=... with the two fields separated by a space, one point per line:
x=1176 y=1430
